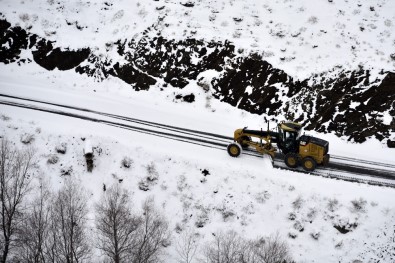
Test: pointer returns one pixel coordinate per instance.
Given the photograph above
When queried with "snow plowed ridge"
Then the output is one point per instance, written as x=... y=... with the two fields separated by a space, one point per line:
x=373 y=171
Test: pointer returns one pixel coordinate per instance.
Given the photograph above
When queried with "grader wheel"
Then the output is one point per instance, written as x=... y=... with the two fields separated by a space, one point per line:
x=234 y=149
x=309 y=164
x=291 y=160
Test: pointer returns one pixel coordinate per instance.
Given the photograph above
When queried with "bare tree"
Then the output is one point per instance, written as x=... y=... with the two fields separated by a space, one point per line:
x=271 y=250
x=152 y=233
x=116 y=225
x=15 y=177
x=35 y=226
x=225 y=248
x=231 y=248
x=68 y=239
x=187 y=246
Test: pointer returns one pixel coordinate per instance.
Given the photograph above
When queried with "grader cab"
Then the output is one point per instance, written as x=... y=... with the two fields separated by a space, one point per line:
x=308 y=151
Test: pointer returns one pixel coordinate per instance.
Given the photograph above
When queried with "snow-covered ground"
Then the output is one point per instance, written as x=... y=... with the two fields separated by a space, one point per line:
x=244 y=194
x=301 y=37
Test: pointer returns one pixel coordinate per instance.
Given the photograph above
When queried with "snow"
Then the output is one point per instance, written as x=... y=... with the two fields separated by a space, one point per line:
x=312 y=36
x=244 y=194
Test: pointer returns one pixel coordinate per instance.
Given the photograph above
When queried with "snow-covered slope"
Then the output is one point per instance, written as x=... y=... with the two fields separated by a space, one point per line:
x=200 y=189
x=326 y=63
x=311 y=36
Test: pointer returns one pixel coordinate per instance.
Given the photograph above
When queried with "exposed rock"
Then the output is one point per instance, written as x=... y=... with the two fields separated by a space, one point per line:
x=131 y=75
x=50 y=58
x=12 y=41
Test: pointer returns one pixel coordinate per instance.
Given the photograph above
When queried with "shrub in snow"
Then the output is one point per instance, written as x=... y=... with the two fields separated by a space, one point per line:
x=291 y=216
x=178 y=228
x=292 y=234
x=181 y=183
x=24 y=17
x=61 y=148
x=358 y=205
x=52 y=159
x=261 y=197
x=4 y=117
x=153 y=174
x=212 y=17
x=127 y=162
x=201 y=219
x=312 y=214
x=313 y=20
x=144 y=185
x=298 y=226
x=249 y=209
x=227 y=214
x=344 y=225
x=237 y=34
x=298 y=203
x=315 y=235
x=333 y=204
x=204 y=84
x=66 y=171
x=339 y=244
x=118 y=15
x=27 y=138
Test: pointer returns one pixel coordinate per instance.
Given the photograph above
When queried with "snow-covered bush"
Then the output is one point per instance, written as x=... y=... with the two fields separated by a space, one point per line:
x=358 y=205
x=315 y=235
x=204 y=83
x=27 y=138
x=333 y=204
x=66 y=171
x=61 y=148
x=24 y=17
x=261 y=197
x=4 y=117
x=144 y=185
x=298 y=225
x=202 y=218
x=298 y=203
x=52 y=159
x=152 y=172
x=127 y=162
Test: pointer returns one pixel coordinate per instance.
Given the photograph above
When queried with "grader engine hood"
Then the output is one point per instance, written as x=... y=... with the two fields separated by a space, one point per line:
x=305 y=139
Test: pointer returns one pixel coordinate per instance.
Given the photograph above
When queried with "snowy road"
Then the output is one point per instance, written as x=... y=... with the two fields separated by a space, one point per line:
x=340 y=167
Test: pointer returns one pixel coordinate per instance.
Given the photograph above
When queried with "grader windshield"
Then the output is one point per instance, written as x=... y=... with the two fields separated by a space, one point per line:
x=289 y=133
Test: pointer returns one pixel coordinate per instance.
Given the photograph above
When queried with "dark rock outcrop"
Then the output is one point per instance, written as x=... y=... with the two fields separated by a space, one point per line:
x=12 y=41
x=50 y=58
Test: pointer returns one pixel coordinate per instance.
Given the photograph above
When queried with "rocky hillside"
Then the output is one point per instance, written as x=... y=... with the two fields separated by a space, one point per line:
x=348 y=103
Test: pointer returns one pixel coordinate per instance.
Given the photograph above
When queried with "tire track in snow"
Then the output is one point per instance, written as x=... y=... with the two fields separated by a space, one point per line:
x=208 y=140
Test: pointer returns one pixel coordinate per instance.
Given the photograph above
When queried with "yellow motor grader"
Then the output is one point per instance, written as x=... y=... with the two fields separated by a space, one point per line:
x=308 y=151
